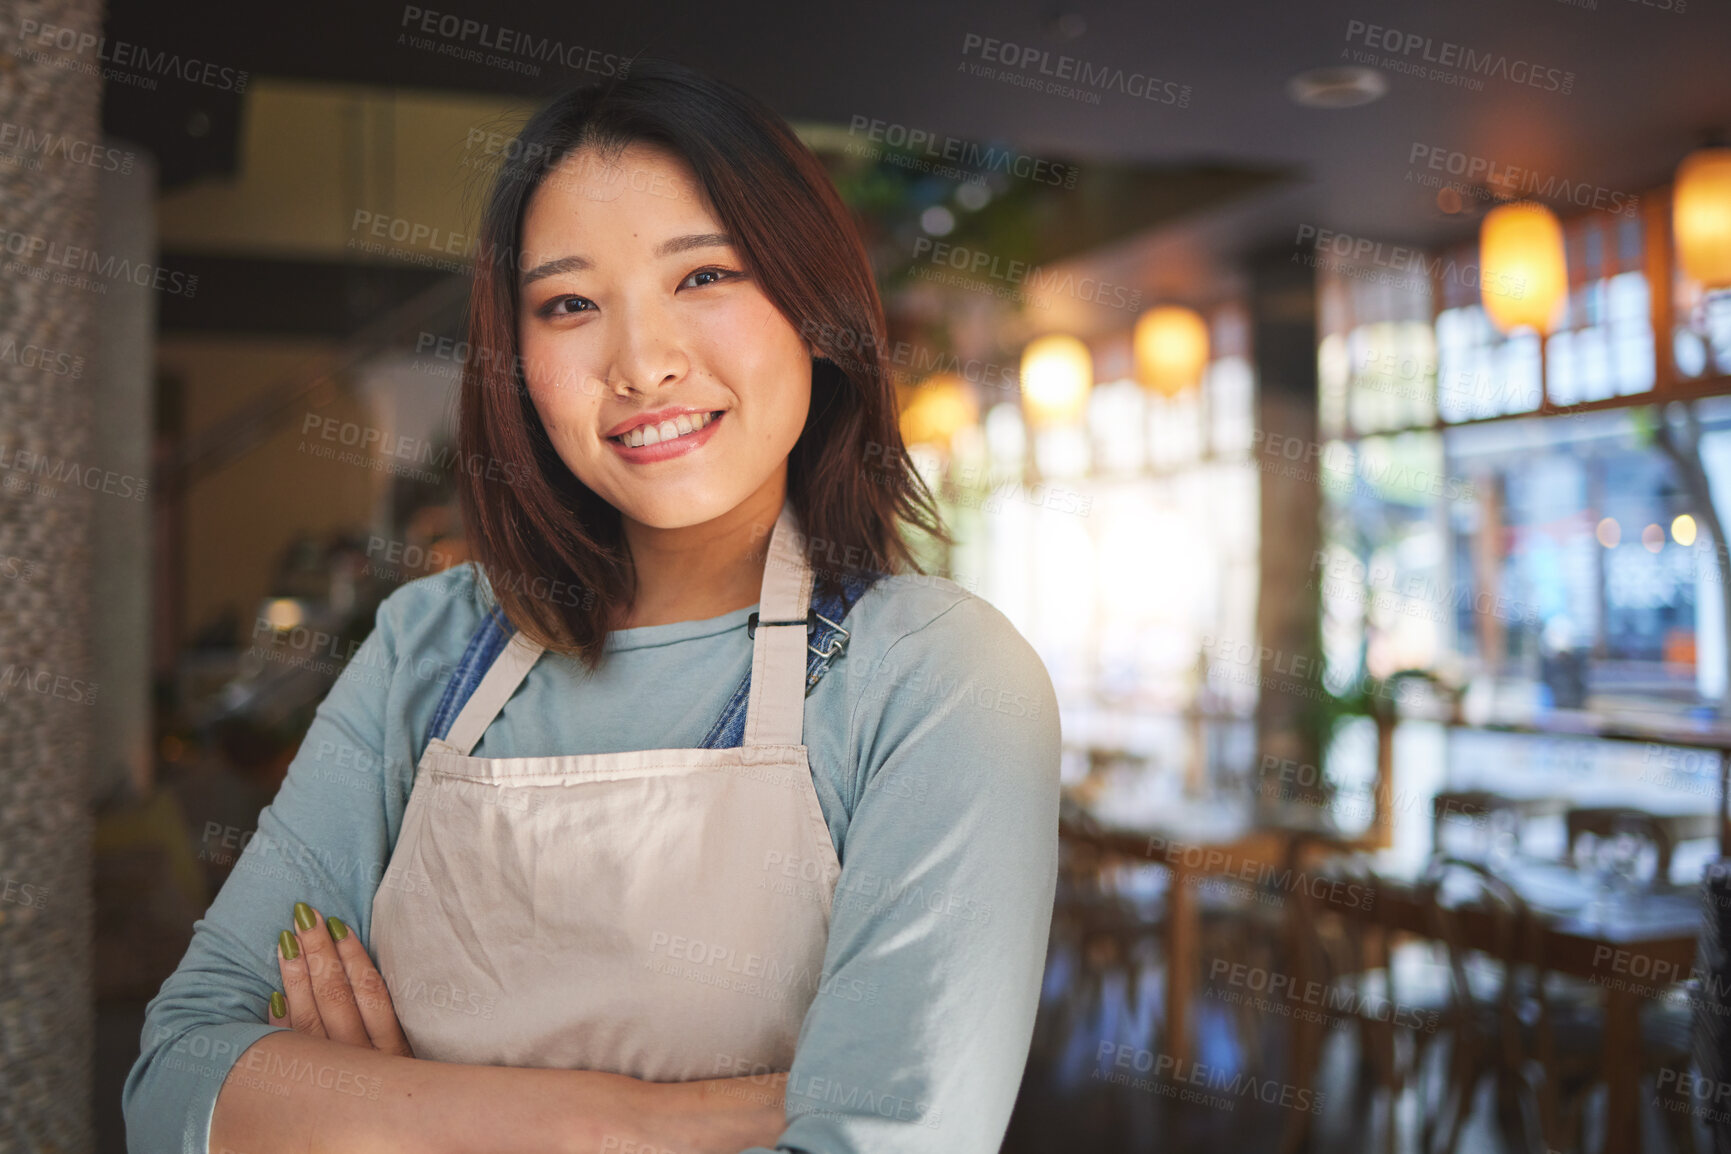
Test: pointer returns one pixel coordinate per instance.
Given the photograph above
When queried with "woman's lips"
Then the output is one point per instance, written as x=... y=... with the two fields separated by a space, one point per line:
x=666 y=450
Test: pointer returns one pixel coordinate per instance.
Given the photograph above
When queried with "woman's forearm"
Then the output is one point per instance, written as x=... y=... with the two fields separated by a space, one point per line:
x=294 y=1094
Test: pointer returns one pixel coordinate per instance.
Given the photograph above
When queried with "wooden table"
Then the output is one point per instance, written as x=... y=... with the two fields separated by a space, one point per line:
x=1649 y=729
x=1633 y=954
x=1193 y=844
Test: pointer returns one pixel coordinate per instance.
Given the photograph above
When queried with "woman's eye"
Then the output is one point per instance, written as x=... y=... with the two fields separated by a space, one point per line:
x=715 y=274
x=557 y=306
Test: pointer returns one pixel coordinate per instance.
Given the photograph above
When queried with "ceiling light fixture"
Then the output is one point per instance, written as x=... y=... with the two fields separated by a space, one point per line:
x=1336 y=87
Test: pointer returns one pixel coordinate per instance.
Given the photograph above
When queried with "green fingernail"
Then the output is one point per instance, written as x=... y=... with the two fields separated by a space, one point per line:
x=278 y=1004
x=289 y=945
x=338 y=930
x=304 y=916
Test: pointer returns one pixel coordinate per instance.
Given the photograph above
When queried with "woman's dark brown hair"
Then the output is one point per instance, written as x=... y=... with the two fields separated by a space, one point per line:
x=849 y=479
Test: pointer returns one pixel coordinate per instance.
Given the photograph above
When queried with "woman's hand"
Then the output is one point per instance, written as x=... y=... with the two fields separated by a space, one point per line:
x=715 y=1115
x=333 y=989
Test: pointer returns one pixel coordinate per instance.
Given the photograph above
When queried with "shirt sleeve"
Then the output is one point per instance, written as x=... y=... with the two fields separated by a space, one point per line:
x=918 y=1034
x=324 y=840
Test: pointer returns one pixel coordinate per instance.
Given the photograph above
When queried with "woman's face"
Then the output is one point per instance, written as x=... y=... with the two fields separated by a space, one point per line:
x=635 y=308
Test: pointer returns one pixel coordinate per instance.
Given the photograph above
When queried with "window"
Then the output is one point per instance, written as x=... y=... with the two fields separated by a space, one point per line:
x=1138 y=541
x=1593 y=585
x=1603 y=346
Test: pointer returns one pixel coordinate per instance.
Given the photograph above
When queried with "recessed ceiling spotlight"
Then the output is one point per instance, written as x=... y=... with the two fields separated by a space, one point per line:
x=1067 y=25
x=1336 y=87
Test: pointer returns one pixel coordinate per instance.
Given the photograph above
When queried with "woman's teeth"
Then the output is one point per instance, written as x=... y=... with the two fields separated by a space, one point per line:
x=666 y=431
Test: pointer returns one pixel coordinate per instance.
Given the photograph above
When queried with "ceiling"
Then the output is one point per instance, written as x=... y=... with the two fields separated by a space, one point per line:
x=1645 y=82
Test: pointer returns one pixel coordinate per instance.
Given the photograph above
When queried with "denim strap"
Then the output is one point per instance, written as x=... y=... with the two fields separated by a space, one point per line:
x=486 y=644
x=826 y=643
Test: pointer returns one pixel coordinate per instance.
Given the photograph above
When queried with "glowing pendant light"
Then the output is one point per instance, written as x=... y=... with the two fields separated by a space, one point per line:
x=1057 y=375
x=1701 y=216
x=1171 y=349
x=1523 y=276
x=939 y=409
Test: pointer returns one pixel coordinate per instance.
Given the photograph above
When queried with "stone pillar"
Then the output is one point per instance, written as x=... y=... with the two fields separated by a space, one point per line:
x=49 y=306
x=125 y=387
x=1283 y=316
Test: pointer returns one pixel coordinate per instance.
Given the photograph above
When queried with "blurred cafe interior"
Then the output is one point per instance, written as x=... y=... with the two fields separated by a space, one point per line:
x=1341 y=406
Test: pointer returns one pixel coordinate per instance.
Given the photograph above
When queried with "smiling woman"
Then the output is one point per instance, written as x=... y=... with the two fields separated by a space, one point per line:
x=668 y=245
x=729 y=850
x=687 y=359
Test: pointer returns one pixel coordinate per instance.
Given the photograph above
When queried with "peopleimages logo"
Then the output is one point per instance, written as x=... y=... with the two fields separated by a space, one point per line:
x=1040 y=283
x=1039 y=61
x=464 y=38
x=1347 y=254
x=26 y=142
x=118 y=55
x=1115 y=1061
x=1512 y=180
x=967 y=154
x=44 y=257
x=1454 y=63
x=36 y=357
x=22 y=463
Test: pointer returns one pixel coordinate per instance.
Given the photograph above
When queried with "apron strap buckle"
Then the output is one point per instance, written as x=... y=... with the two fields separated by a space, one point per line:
x=837 y=642
x=751 y=623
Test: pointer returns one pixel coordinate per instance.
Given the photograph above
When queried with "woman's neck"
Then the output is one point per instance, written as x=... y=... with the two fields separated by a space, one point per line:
x=701 y=571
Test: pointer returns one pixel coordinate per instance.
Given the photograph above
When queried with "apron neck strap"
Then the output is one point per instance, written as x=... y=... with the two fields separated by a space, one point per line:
x=775 y=712
x=500 y=682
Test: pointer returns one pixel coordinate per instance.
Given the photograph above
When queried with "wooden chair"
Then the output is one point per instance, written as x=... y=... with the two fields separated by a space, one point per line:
x=1666 y=1040
x=1502 y=1020
x=1485 y=806
x=1241 y=924
x=1662 y=831
x=1346 y=956
x=1422 y=999
x=1109 y=939
x=1102 y=980
x=1667 y=1046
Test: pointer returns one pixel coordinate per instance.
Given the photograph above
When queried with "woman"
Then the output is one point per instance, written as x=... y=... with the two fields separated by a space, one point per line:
x=686 y=817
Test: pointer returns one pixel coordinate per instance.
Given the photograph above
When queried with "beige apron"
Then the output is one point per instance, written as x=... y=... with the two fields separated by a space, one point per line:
x=661 y=914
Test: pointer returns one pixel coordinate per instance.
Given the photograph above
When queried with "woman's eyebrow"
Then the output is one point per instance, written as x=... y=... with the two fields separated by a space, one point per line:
x=678 y=244
x=695 y=240
x=553 y=268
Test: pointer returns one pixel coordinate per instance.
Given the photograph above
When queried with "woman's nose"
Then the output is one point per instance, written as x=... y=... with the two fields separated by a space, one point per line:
x=649 y=352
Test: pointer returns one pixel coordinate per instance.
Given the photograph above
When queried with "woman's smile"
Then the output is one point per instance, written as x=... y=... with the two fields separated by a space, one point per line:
x=651 y=298
x=662 y=441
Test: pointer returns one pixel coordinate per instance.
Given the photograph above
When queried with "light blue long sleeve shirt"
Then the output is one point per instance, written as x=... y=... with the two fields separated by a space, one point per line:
x=934 y=748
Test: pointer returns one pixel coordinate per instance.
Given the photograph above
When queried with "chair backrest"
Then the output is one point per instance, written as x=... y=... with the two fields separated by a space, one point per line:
x=1084 y=862
x=1481 y=805
x=1311 y=958
x=1606 y=821
x=1345 y=936
x=1473 y=911
x=1516 y=941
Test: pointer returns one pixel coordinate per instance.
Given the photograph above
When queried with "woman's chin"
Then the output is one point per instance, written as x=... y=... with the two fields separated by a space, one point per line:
x=674 y=505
